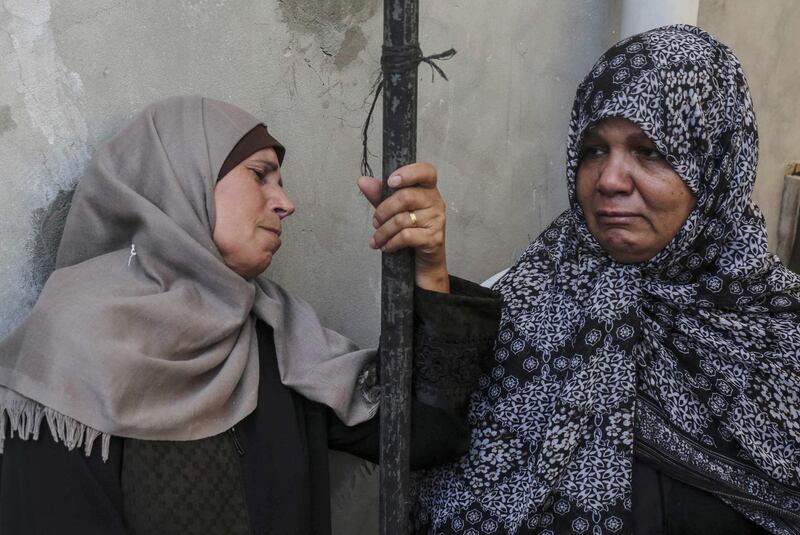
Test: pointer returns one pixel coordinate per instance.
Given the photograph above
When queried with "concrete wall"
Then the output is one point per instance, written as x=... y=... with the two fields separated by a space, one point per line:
x=74 y=72
x=765 y=38
x=637 y=16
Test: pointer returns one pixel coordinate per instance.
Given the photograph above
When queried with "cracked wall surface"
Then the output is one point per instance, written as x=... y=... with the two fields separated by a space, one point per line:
x=334 y=23
x=44 y=142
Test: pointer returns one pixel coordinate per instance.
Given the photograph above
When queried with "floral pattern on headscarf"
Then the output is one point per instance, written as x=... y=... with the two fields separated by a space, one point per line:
x=692 y=359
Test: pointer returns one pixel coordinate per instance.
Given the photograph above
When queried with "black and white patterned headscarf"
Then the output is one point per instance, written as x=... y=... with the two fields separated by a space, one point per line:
x=692 y=359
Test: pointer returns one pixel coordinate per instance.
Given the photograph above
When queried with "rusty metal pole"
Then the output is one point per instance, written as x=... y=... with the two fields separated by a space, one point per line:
x=400 y=23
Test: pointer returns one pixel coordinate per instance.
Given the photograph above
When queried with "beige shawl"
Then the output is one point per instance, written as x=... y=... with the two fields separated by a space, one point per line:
x=142 y=331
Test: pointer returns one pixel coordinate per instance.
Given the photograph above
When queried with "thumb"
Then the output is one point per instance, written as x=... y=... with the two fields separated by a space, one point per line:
x=371 y=188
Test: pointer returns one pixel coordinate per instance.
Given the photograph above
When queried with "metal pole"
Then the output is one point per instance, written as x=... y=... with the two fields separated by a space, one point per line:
x=400 y=23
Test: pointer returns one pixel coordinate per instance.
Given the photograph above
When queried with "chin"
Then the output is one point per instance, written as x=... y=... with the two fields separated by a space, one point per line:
x=253 y=269
x=625 y=253
x=260 y=269
x=628 y=255
x=621 y=247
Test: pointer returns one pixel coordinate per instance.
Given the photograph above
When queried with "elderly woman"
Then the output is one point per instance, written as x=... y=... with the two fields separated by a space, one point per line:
x=162 y=386
x=647 y=367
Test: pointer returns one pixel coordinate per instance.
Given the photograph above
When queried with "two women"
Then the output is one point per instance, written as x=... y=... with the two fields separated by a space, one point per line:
x=161 y=385
x=645 y=373
x=647 y=366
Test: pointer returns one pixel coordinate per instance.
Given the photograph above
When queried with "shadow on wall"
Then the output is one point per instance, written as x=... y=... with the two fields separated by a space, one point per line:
x=48 y=226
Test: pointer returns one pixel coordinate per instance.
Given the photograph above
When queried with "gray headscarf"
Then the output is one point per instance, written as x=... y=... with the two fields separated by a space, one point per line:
x=142 y=331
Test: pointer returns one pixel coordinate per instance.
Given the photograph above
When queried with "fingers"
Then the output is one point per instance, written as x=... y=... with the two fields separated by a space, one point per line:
x=415 y=192
x=427 y=233
x=405 y=200
x=396 y=235
x=420 y=174
x=371 y=188
x=424 y=231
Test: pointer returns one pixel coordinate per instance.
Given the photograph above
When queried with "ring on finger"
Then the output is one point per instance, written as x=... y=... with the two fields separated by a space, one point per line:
x=413 y=218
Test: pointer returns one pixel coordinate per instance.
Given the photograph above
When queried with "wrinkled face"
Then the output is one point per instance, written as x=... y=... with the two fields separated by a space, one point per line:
x=633 y=201
x=250 y=204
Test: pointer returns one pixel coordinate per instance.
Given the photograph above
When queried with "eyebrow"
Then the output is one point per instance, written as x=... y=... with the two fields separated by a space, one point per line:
x=639 y=137
x=269 y=166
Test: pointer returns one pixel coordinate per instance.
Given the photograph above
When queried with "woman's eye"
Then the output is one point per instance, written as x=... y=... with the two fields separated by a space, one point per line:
x=649 y=153
x=591 y=151
x=260 y=174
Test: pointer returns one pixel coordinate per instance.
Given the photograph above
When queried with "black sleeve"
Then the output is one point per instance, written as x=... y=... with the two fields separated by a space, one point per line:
x=46 y=489
x=453 y=335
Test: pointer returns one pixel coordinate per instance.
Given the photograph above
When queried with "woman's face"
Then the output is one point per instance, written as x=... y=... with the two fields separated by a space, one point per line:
x=633 y=201
x=250 y=204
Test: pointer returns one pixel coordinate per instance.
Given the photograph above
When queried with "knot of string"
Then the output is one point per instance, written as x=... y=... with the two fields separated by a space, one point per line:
x=398 y=59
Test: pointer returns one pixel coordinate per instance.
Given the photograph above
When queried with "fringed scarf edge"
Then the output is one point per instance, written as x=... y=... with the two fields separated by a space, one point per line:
x=24 y=416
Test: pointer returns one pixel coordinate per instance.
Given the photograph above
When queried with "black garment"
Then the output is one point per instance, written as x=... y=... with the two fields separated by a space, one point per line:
x=666 y=506
x=267 y=475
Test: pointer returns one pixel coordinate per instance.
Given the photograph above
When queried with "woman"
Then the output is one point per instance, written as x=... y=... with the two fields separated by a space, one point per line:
x=161 y=386
x=647 y=365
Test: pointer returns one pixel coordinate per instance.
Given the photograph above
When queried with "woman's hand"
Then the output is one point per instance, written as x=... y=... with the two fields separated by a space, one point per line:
x=413 y=216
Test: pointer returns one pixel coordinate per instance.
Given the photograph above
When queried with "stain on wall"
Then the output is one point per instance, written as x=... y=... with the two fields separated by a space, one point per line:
x=354 y=42
x=334 y=23
x=48 y=226
x=317 y=16
x=6 y=121
x=45 y=140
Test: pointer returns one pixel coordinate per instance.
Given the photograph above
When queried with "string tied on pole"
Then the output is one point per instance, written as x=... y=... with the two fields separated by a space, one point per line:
x=397 y=59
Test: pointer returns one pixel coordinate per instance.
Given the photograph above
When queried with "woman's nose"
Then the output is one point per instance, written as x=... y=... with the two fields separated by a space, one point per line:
x=282 y=205
x=615 y=176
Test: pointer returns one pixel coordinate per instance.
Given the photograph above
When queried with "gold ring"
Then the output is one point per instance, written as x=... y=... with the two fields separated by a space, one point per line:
x=413 y=217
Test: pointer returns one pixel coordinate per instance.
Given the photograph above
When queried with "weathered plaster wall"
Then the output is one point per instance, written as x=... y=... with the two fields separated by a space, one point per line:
x=44 y=142
x=74 y=72
x=764 y=37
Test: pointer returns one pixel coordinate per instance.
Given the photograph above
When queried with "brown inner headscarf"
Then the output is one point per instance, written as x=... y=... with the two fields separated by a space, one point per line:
x=256 y=139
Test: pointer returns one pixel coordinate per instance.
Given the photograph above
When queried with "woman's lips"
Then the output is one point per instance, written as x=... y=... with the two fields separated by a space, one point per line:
x=277 y=232
x=616 y=217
